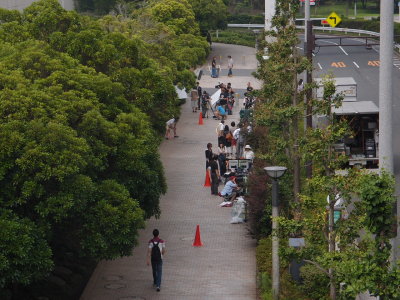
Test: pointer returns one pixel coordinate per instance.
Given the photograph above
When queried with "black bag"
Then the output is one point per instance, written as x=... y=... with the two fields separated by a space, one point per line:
x=155 y=253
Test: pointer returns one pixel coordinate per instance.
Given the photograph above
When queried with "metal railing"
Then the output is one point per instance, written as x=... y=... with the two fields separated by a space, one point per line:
x=345 y=30
x=320 y=28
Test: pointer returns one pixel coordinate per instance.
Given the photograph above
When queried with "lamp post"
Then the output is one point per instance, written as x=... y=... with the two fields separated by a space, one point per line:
x=275 y=173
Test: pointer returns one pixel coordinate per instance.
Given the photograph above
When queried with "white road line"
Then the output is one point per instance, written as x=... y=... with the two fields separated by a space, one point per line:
x=356 y=64
x=319 y=65
x=299 y=48
x=313 y=54
x=343 y=50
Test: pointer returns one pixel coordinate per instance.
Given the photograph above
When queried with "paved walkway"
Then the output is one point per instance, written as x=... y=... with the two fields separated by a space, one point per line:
x=224 y=268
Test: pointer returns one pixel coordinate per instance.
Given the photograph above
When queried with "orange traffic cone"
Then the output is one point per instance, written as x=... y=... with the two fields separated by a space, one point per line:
x=207 y=181
x=197 y=240
x=201 y=119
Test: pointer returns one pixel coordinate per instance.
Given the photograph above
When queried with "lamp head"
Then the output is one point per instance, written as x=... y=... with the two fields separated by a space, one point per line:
x=275 y=172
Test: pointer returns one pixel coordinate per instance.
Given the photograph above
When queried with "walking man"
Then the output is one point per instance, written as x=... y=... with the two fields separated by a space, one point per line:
x=155 y=254
x=230 y=65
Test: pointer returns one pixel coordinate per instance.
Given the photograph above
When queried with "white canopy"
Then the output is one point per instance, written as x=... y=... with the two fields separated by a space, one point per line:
x=181 y=93
x=215 y=97
x=358 y=107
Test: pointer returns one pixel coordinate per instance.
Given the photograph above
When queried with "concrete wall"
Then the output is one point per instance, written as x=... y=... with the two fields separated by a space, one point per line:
x=21 y=4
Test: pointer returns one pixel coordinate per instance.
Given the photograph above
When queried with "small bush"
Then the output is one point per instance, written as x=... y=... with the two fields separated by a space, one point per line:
x=245 y=19
x=315 y=282
x=242 y=37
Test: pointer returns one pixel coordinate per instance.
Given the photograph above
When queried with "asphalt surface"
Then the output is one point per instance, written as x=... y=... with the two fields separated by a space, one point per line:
x=363 y=65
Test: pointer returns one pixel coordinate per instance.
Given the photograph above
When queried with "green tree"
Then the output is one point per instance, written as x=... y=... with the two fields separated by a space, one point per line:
x=210 y=14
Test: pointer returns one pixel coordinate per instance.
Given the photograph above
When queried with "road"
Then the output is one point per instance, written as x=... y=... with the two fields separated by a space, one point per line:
x=21 y=4
x=363 y=65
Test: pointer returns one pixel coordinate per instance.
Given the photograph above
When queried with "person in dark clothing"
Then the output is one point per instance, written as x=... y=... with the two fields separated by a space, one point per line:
x=214 y=175
x=205 y=103
x=156 y=258
x=209 y=154
x=199 y=92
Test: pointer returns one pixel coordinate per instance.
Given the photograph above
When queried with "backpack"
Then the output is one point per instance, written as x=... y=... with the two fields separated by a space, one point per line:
x=229 y=136
x=155 y=252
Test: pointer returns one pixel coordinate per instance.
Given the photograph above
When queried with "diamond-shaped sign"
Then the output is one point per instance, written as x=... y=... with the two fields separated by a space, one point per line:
x=333 y=19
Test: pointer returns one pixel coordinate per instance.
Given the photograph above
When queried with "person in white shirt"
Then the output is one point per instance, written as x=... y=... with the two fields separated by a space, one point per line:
x=248 y=153
x=171 y=124
x=236 y=135
x=230 y=65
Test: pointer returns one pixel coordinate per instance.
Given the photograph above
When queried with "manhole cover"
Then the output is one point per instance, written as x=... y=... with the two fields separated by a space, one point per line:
x=114 y=286
x=132 y=298
x=112 y=278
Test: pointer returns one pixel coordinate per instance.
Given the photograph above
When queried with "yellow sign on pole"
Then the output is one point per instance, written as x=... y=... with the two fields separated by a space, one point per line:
x=333 y=19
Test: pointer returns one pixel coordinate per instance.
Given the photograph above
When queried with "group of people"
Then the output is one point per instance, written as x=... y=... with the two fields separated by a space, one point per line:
x=215 y=68
x=217 y=163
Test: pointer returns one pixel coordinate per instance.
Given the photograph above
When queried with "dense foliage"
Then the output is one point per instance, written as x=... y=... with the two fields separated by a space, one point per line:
x=83 y=105
x=355 y=250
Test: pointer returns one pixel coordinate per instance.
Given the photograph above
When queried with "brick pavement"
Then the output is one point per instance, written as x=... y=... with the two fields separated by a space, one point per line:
x=224 y=268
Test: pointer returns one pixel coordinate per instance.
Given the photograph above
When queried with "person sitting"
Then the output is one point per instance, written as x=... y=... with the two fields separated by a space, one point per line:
x=248 y=154
x=221 y=112
x=230 y=189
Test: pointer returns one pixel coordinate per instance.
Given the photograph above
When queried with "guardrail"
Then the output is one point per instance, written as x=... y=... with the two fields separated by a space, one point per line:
x=321 y=28
x=330 y=29
x=345 y=30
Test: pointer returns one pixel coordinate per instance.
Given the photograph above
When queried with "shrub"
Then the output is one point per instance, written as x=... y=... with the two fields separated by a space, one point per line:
x=315 y=282
x=245 y=19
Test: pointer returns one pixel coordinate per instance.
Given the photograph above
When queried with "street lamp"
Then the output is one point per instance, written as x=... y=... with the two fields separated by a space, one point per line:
x=275 y=173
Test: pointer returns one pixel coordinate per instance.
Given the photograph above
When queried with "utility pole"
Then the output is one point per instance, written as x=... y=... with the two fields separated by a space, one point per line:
x=269 y=14
x=386 y=101
x=306 y=17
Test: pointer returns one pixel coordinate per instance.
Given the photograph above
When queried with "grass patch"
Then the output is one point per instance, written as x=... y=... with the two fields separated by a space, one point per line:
x=236 y=36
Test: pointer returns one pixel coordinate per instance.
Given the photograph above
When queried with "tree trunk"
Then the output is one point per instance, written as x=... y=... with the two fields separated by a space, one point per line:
x=332 y=200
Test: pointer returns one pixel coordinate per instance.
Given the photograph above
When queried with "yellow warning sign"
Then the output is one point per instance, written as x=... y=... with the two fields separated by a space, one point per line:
x=333 y=19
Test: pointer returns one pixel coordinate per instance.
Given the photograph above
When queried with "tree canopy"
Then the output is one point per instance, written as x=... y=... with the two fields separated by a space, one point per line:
x=83 y=106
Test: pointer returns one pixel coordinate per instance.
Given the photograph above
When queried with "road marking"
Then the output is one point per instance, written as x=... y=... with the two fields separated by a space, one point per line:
x=338 y=64
x=313 y=54
x=356 y=64
x=374 y=63
x=343 y=50
x=319 y=65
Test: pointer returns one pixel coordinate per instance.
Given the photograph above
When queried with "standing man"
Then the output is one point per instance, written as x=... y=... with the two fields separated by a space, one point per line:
x=205 y=103
x=194 y=98
x=230 y=65
x=155 y=254
x=214 y=67
x=199 y=93
x=214 y=175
